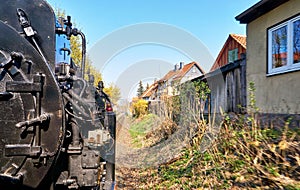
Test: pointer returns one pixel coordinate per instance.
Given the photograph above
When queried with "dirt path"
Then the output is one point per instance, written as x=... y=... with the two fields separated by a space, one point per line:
x=130 y=162
x=125 y=175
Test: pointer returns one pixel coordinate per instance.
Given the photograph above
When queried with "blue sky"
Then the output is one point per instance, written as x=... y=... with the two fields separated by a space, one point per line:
x=209 y=22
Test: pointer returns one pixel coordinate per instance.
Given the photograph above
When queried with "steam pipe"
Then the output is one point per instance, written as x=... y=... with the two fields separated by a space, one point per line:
x=83 y=52
x=76 y=132
x=84 y=86
x=83 y=101
x=75 y=105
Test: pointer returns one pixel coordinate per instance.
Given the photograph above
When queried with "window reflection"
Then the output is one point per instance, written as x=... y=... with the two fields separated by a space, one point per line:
x=296 y=42
x=279 y=47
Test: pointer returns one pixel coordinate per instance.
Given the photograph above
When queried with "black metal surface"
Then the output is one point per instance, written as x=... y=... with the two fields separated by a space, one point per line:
x=22 y=150
x=46 y=121
x=111 y=155
x=85 y=167
x=41 y=17
x=23 y=106
x=22 y=86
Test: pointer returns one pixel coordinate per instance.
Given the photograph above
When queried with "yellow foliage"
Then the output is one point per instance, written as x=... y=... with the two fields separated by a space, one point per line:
x=113 y=92
x=75 y=43
x=90 y=69
x=139 y=107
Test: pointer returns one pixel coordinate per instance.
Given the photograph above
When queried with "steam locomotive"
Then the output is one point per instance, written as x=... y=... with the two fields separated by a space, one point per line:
x=57 y=130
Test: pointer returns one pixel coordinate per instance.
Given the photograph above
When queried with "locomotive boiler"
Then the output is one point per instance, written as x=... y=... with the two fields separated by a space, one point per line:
x=57 y=131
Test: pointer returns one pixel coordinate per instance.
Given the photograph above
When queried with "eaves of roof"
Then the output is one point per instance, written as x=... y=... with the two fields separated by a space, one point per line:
x=150 y=90
x=257 y=10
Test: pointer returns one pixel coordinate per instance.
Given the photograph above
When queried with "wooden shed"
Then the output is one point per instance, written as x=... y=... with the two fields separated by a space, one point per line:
x=232 y=50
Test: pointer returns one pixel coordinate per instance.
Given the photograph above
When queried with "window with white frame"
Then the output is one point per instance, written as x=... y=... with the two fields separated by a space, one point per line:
x=284 y=47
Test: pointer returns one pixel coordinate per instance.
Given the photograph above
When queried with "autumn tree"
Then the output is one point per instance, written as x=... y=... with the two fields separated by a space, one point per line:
x=113 y=92
x=90 y=69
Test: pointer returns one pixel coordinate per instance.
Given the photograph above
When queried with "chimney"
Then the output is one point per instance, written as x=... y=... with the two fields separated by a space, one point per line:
x=181 y=64
x=175 y=67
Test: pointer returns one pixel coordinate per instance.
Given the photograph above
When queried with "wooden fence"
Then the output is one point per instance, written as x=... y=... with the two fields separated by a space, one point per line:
x=228 y=91
x=228 y=88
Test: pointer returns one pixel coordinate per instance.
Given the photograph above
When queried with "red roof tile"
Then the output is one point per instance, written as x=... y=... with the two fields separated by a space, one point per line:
x=241 y=39
x=169 y=75
x=148 y=92
x=186 y=68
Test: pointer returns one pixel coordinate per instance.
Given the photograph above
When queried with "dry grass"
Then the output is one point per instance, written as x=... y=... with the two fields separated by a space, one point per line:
x=162 y=132
x=243 y=156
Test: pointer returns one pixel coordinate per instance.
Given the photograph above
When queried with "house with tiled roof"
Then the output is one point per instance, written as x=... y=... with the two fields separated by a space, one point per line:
x=179 y=75
x=232 y=50
x=188 y=72
x=273 y=55
x=150 y=93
